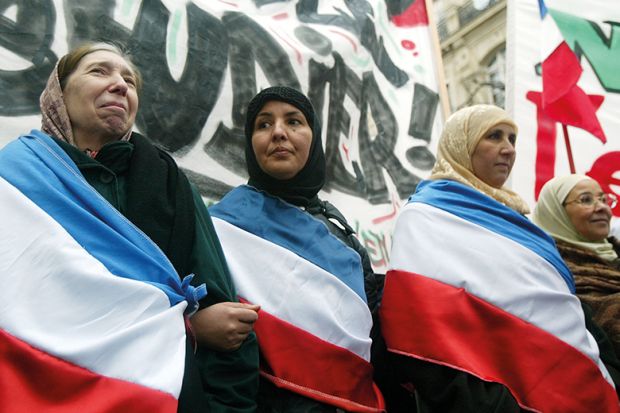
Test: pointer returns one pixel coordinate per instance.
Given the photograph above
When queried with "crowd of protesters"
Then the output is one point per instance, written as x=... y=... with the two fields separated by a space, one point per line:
x=121 y=291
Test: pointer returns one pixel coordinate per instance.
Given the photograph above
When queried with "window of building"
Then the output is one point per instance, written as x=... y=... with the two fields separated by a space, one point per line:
x=496 y=70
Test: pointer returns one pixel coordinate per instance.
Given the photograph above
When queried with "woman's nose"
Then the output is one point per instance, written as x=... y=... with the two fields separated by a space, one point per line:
x=118 y=85
x=279 y=132
x=601 y=205
x=508 y=148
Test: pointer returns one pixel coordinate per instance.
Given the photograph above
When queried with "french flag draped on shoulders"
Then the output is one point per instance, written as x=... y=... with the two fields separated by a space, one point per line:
x=476 y=286
x=314 y=324
x=91 y=310
x=562 y=99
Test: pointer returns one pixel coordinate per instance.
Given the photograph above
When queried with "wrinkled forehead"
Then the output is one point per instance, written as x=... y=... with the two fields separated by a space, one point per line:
x=106 y=58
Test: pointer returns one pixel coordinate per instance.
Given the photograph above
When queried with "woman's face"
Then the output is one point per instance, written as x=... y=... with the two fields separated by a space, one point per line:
x=591 y=222
x=494 y=155
x=281 y=139
x=101 y=96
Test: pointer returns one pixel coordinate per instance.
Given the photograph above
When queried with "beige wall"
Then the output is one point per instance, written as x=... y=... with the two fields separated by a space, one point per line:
x=473 y=42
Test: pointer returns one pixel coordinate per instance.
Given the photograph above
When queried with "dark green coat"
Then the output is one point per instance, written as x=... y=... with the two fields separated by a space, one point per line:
x=229 y=379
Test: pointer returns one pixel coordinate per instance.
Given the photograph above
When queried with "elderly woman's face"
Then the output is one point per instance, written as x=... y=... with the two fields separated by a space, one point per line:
x=101 y=97
x=494 y=155
x=281 y=139
x=590 y=221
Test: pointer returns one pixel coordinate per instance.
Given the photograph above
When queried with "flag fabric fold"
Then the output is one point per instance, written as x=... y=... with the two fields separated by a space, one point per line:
x=476 y=286
x=562 y=99
x=314 y=325
x=92 y=312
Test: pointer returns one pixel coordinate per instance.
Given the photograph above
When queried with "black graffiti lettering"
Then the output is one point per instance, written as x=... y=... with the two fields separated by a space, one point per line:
x=420 y=157
x=342 y=81
x=249 y=44
x=423 y=110
x=307 y=12
x=208 y=187
x=259 y=3
x=178 y=110
x=398 y=7
x=314 y=40
x=93 y=22
x=362 y=26
x=227 y=147
x=30 y=36
x=172 y=113
x=380 y=152
x=376 y=152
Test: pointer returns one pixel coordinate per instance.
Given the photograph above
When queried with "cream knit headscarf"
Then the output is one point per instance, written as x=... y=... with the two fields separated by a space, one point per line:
x=551 y=215
x=461 y=134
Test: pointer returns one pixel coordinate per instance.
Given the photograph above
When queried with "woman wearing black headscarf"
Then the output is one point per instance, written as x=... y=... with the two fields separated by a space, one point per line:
x=295 y=256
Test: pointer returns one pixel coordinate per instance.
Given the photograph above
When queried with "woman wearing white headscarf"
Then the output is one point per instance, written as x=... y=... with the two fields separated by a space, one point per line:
x=576 y=213
x=479 y=310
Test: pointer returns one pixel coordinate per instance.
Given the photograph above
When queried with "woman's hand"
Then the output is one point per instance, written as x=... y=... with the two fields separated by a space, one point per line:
x=224 y=326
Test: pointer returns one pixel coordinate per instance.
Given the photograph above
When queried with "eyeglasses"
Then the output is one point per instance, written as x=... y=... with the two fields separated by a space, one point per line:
x=588 y=200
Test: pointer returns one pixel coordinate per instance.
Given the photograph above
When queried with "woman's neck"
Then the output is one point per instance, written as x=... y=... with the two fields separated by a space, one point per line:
x=92 y=142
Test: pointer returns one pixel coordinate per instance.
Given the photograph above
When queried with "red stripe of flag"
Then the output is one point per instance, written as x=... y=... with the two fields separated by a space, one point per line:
x=34 y=381
x=305 y=364
x=427 y=319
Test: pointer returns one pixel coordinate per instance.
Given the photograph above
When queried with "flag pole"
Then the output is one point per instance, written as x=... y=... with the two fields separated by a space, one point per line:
x=569 y=151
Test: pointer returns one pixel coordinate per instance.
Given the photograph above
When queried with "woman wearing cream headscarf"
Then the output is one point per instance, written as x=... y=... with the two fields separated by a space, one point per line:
x=574 y=210
x=458 y=159
x=479 y=311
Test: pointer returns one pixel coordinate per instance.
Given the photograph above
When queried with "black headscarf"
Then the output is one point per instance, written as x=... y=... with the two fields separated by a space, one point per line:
x=303 y=187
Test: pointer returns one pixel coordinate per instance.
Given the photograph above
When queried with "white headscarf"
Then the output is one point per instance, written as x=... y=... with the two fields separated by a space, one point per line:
x=461 y=134
x=550 y=214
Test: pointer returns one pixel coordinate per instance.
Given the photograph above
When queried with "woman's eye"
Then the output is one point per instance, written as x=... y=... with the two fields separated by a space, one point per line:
x=130 y=80
x=512 y=139
x=262 y=125
x=295 y=122
x=586 y=199
x=96 y=70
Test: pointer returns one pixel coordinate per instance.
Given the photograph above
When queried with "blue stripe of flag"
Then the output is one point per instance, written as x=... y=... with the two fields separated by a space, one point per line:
x=285 y=225
x=43 y=172
x=480 y=209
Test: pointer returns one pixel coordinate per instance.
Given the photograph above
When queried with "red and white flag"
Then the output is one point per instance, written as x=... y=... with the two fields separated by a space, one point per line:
x=477 y=287
x=91 y=311
x=314 y=325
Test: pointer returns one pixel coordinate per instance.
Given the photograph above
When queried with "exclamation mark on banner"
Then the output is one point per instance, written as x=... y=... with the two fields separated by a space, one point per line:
x=423 y=110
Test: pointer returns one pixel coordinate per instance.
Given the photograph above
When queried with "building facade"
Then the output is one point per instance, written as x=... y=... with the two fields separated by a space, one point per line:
x=472 y=35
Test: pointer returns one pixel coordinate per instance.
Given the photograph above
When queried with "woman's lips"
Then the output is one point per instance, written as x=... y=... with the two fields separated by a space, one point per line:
x=281 y=151
x=114 y=105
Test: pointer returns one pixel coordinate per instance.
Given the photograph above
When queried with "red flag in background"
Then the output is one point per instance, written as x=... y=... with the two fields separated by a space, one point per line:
x=562 y=100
